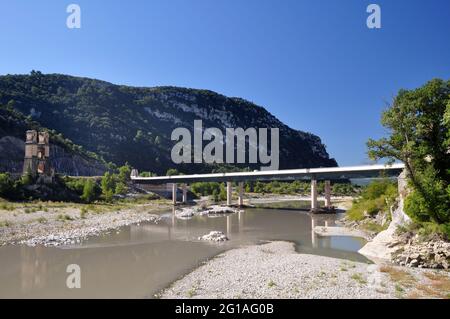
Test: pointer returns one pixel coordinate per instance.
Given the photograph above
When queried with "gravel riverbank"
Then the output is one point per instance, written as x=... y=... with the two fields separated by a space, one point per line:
x=70 y=225
x=275 y=270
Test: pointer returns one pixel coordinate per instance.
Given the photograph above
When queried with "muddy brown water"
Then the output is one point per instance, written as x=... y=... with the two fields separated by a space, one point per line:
x=139 y=260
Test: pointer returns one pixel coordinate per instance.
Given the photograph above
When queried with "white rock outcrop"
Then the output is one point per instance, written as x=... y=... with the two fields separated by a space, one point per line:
x=214 y=236
x=381 y=248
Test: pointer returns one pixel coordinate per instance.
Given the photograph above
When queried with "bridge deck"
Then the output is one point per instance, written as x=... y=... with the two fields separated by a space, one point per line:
x=323 y=173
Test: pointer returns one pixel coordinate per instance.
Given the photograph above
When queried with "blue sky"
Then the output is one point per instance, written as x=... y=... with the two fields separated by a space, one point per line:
x=313 y=64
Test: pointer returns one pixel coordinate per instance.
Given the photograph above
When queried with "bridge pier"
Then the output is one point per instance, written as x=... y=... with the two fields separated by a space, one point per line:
x=174 y=193
x=241 y=194
x=229 y=193
x=184 y=187
x=327 y=194
x=314 y=206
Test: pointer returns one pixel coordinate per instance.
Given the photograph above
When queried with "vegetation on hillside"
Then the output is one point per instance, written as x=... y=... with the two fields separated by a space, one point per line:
x=375 y=198
x=128 y=124
x=419 y=135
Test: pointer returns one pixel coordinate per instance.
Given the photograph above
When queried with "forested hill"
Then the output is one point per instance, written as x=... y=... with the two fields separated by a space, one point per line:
x=134 y=124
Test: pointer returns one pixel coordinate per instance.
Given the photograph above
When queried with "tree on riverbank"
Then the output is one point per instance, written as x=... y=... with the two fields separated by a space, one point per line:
x=89 y=192
x=418 y=122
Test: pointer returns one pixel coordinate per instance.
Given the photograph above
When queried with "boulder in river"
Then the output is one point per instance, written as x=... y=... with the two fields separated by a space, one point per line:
x=214 y=236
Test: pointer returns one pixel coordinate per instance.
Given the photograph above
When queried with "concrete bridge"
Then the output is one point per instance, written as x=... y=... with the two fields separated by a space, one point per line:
x=310 y=174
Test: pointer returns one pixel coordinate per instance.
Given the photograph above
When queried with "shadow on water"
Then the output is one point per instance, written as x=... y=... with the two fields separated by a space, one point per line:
x=139 y=260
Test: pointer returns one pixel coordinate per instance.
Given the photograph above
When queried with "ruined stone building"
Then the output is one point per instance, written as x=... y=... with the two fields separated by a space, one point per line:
x=37 y=153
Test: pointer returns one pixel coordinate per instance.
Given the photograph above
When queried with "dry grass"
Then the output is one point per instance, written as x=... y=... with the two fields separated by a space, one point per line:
x=401 y=277
x=359 y=278
x=439 y=285
x=426 y=291
x=436 y=285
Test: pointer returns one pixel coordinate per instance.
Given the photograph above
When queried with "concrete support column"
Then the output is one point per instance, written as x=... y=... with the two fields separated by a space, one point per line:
x=229 y=193
x=327 y=194
x=174 y=193
x=241 y=194
x=184 y=193
x=314 y=194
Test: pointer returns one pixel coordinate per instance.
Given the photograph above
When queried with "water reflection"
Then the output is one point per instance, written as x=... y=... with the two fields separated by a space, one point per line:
x=33 y=268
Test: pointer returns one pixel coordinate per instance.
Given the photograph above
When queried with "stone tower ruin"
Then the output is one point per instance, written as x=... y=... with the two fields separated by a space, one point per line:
x=37 y=153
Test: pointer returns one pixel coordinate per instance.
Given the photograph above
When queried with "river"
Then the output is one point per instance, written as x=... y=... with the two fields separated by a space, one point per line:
x=139 y=260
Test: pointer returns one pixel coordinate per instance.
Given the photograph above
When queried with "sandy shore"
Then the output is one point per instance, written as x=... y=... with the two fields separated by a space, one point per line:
x=65 y=224
x=275 y=270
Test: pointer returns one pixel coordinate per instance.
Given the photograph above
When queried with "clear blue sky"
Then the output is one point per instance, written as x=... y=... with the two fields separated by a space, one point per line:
x=313 y=64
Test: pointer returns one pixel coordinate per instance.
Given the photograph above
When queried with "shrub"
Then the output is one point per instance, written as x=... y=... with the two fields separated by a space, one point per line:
x=88 y=191
x=63 y=217
x=6 y=185
x=121 y=188
x=108 y=186
x=172 y=172
x=5 y=223
x=377 y=196
x=434 y=205
x=28 y=178
x=83 y=212
x=124 y=173
x=108 y=195
x=222 y=192
x=215 y=196
x=205 y=188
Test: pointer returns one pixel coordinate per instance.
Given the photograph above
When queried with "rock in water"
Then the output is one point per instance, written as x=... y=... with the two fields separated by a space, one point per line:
x=185 y=213
x=214 y=236
x=218 y=210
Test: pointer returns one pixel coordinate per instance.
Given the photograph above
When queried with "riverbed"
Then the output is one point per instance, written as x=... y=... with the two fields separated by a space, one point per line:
x=139 y=260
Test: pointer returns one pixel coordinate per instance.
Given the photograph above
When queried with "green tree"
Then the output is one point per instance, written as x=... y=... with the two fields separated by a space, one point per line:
x=121 y=188
x=172 y=172
x=108 y=195
x=124 y=173
x=108 y=186
x=259 y=187
x=215 y=195
x=222 y=192
x=88 y=191
x=418 y=124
